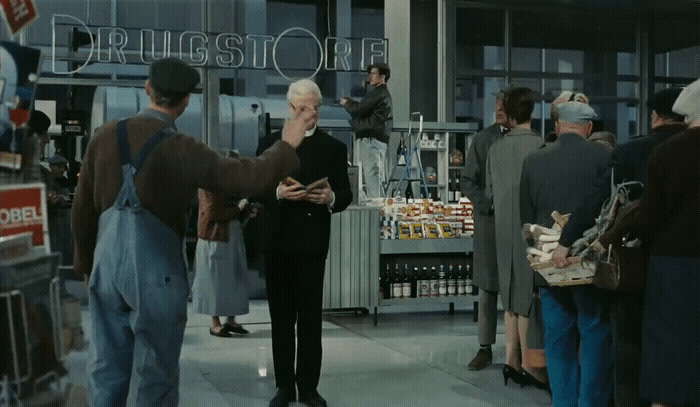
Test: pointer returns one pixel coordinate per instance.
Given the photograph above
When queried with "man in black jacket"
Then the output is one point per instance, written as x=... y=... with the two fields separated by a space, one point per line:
x=372 y=121
x=295 y=251
x=629 y=163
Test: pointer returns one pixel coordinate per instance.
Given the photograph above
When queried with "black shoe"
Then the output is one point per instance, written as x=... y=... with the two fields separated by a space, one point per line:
x=530 y=379
x=513 y=374
x=283 y=397
x=312 y=399
x=238 y=329
x=482 y=359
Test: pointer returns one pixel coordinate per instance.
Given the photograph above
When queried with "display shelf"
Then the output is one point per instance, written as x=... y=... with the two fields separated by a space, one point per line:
x=431 y=246
x=459 y=300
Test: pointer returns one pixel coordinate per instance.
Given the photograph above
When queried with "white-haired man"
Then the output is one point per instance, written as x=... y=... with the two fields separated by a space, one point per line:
x=296 y=249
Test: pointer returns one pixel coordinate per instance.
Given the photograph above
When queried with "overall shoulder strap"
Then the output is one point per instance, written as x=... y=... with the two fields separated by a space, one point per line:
x=150 y=144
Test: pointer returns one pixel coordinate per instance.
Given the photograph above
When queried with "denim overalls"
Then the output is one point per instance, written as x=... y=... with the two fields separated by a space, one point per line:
x=138 y=297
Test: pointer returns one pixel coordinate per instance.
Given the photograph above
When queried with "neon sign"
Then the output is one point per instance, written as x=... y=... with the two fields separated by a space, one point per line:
x=224 y=50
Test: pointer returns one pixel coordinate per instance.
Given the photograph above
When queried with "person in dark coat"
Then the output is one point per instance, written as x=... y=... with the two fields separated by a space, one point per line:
x=503 y=167
x=629 y=163
x=558 y=177
x=667 y=219
x=296 y=249
x=485 y=269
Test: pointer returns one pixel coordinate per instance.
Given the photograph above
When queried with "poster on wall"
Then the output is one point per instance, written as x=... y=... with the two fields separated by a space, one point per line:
x=18 y=14
x=23 y=209
x=19 y=67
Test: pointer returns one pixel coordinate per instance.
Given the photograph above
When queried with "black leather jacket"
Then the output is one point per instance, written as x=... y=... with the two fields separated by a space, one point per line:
x=372 y=116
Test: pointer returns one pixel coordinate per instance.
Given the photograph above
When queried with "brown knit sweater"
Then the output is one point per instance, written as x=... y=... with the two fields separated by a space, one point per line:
x=168 y=180
x=215 y=212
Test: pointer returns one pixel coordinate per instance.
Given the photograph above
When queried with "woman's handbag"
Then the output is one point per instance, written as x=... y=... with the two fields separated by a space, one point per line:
x=623 y=270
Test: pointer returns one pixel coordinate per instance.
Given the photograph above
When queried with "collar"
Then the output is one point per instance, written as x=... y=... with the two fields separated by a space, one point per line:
x=310 y=133
x=503 y=129
x=155 y=114
x=570 y=137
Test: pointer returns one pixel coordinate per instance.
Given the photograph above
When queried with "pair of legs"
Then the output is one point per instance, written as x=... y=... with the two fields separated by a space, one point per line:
x=294 y=291
x=516 y=345
x=371 y=154
x=568 y=312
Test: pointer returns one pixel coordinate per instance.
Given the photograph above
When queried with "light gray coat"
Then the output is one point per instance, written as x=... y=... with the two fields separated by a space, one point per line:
x=503 y=169
x=485 y=271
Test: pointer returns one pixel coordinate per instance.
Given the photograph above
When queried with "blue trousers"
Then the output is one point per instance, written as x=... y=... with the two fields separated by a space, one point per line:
x=568 y=312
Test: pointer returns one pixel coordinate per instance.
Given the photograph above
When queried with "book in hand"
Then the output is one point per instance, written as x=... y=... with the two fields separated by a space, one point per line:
x=318 y=184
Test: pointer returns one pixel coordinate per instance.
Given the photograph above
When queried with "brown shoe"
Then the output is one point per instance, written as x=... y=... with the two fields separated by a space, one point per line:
x=482 y=359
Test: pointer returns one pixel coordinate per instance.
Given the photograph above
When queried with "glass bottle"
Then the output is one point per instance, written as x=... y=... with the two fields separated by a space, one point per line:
x=425 y=283
x=406 y=283
x=451 y=281
x=397 y=286
x=442 y=282
x=469 y=287
x=434 y=283
x=461 y=281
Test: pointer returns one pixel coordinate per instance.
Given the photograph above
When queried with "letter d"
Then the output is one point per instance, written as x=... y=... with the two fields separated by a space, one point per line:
x=53 y=44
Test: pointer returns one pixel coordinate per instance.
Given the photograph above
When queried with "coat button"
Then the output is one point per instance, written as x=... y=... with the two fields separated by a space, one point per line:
x=309 y=213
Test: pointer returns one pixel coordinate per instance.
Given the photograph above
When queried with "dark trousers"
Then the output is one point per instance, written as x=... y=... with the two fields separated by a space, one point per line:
x=626 y=318
x=294 y=293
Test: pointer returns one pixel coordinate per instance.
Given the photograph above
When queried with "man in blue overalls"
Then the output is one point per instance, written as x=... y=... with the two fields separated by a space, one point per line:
x=137 y=181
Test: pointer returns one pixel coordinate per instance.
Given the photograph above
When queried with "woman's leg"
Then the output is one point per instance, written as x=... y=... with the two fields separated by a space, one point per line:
x=538 y=373
x=512 y=341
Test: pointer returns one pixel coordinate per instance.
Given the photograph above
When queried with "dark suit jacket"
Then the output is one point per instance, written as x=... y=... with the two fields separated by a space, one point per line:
x=485 y=268
x=629 y=163
x=559 y=177
x=305 y=226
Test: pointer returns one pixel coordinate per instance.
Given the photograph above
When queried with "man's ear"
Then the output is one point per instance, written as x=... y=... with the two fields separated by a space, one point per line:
x=556 y=127
x=589 y=129
x=147 y=86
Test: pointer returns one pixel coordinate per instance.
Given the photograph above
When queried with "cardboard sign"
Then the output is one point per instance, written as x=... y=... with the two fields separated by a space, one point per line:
x=18 y=13
x=23 y=209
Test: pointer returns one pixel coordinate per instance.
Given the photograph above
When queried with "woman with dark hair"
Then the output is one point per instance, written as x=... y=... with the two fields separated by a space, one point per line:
x=503 y=170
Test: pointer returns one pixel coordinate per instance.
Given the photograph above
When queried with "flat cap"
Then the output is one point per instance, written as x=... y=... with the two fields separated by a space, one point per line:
x=688 y=102
x=576 y=112
x=662 y=101
x=173 y=77
x=58 y=160
x=39 y=122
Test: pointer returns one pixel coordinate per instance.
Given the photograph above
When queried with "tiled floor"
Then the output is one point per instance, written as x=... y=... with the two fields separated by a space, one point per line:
x=409 y=359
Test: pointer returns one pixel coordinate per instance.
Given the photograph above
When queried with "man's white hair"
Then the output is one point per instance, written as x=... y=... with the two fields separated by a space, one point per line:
x=302 y=87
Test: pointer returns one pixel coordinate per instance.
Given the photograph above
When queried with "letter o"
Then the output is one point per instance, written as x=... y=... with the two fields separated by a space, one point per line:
x=274 y=51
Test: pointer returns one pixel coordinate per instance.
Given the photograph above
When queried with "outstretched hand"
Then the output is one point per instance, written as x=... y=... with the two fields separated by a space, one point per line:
x=295 y=128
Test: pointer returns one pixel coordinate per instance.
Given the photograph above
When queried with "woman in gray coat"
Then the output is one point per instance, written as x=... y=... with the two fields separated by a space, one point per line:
x=503 y=168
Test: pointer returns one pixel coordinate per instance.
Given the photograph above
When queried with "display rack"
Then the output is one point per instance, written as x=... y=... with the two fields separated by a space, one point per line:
x=353 y=264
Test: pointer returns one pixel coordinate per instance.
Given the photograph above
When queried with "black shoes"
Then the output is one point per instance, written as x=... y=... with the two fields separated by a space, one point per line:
x=530 y=379
x=312 y=399
x=513 y=374
x=482 y=359
x=283 y=397
x=238 y=329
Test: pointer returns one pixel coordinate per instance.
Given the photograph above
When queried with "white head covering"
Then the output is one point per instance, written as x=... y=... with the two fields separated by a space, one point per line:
x=688 y=102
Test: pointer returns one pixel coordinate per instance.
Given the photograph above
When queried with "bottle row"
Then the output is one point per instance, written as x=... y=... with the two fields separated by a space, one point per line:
x=440 y=280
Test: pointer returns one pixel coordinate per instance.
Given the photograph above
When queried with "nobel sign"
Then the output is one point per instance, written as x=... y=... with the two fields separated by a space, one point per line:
x=225 y=50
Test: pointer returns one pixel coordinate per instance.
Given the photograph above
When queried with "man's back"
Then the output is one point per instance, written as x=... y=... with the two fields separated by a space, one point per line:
x=167 y=182
x=559 y=177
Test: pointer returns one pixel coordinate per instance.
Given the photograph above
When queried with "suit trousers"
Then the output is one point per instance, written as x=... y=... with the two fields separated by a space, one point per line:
x=294 y=293
x=488 y=316
x=574 y=384
x=626 y=317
